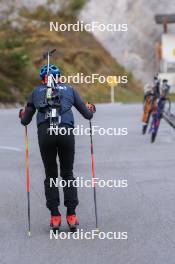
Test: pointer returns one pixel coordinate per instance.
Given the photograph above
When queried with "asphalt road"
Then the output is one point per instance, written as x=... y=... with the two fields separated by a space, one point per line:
x=145 y=209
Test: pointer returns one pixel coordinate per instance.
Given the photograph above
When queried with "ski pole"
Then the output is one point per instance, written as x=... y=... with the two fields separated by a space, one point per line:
x=93 y=177
x=27 y=179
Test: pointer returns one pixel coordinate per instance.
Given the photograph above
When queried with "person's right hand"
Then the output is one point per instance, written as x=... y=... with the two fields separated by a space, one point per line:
x=91 y=107
x=21 y=113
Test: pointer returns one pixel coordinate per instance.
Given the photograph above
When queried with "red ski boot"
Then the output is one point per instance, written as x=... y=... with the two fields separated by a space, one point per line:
x=72 y=222
x=55 y=222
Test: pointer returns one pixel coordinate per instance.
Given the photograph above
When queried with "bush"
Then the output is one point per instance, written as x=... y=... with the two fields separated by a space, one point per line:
x=72 y=7
x=18 y=61
x=41 y=13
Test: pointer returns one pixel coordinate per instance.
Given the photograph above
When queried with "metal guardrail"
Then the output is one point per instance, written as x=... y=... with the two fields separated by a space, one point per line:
x=169 y=118
x=164 y=18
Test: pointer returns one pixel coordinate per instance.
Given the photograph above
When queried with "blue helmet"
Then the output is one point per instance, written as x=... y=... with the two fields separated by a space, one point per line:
x=53 y=69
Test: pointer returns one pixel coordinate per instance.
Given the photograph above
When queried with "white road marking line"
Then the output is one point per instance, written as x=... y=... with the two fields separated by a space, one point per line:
x=10 y=148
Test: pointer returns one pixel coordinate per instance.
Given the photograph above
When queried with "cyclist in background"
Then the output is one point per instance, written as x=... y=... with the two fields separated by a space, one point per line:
x=152 y=93
x=164 y=91
x=158 y=109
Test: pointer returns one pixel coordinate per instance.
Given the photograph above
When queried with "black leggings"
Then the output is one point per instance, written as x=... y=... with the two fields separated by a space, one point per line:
x=64 y=146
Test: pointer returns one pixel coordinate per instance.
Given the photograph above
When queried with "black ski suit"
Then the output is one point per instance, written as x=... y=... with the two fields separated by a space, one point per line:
x=53 y=145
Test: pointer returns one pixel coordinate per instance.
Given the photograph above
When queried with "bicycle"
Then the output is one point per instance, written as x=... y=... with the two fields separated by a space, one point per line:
x=163 y=104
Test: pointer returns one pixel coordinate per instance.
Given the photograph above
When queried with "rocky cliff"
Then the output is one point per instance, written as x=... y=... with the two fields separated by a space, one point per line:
x=135 y=49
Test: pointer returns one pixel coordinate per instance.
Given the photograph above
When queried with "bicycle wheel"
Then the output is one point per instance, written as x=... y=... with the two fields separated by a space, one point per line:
x=144 y=129
x=154 y=134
